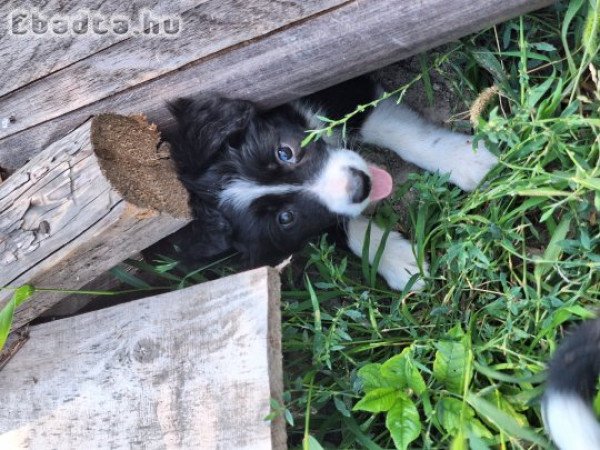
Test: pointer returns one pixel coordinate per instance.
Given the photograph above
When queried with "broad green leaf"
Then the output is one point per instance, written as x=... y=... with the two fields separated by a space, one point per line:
x=371 y=378
x=453 y=364
x=456 y=332
x=476 y=443
x=502 y=403
x=403 y=422
x=503 y=421
x=310 y=443
x=402 y=372
x=455 y=417
x=452 y=414
x=459 y=442
x=476 y=428
x=341 y=406
x=378 y=400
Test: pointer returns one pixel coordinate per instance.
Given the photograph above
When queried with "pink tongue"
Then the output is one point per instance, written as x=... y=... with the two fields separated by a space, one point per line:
x=381 y=183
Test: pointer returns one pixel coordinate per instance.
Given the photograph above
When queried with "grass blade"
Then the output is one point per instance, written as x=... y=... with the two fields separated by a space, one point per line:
x=20 y=295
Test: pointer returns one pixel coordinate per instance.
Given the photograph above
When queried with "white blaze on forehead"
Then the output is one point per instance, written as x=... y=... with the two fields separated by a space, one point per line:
x=332 y=185
x=241 y=193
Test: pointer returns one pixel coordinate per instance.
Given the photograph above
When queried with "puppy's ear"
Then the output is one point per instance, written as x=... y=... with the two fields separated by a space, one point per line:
x=205 y=127
x=204 y=239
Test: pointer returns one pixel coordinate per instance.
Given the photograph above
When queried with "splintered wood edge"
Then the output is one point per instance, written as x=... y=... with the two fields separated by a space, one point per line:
x=275 y=358
x=130 y=156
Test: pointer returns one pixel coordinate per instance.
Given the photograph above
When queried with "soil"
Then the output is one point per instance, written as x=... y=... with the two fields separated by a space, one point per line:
x=442 y=111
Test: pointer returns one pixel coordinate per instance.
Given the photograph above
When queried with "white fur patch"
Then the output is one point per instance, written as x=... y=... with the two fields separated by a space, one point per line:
x=570 y=421
x=333 y=183
x=331 y=186
x=397 y=264
x=241 y=193
x=433 y=148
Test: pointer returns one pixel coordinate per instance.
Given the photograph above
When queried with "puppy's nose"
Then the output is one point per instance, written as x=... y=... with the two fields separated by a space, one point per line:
x=359 y=186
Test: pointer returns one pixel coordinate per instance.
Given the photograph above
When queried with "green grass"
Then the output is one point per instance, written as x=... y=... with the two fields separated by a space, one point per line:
x=460 y=364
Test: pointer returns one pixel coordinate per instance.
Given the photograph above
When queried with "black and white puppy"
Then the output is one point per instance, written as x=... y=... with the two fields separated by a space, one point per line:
x=256 y=190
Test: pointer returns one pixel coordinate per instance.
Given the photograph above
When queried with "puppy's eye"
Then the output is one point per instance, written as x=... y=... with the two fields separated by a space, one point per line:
x=285 y=154
x=286 y=218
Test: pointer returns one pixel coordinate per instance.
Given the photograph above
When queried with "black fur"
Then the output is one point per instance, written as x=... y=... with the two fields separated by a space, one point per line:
x=219 y=140
x=575 y=366
x=573 y=374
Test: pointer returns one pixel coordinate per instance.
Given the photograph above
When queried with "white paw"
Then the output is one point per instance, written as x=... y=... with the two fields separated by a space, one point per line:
x=398 y=264
x=468 y=167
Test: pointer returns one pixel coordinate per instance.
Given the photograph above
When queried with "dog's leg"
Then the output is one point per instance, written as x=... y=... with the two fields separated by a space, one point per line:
x=430 y=147
x=397 y=264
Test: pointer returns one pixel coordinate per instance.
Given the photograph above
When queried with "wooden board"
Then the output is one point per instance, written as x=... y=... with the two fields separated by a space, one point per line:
x=34 y=57
x=192 y=369
x=63 y=223
x=207 y=29
x=318 y=51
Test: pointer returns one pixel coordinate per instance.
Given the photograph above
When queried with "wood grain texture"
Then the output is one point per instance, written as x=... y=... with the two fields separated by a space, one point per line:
x=209 y=28
x=62 y=223
x=274 y=355
x=32 y=57
x=355 y=38
x=192 y=369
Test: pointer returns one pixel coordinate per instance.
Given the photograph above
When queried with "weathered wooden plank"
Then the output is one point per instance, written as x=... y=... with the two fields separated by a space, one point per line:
x=190 y=369
x=33 y=57
x=334 y=46
x=62 y=220
x=209 y=28
x=73 y=303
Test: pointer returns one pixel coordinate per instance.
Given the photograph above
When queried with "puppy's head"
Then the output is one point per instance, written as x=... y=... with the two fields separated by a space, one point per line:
x=255 y=188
